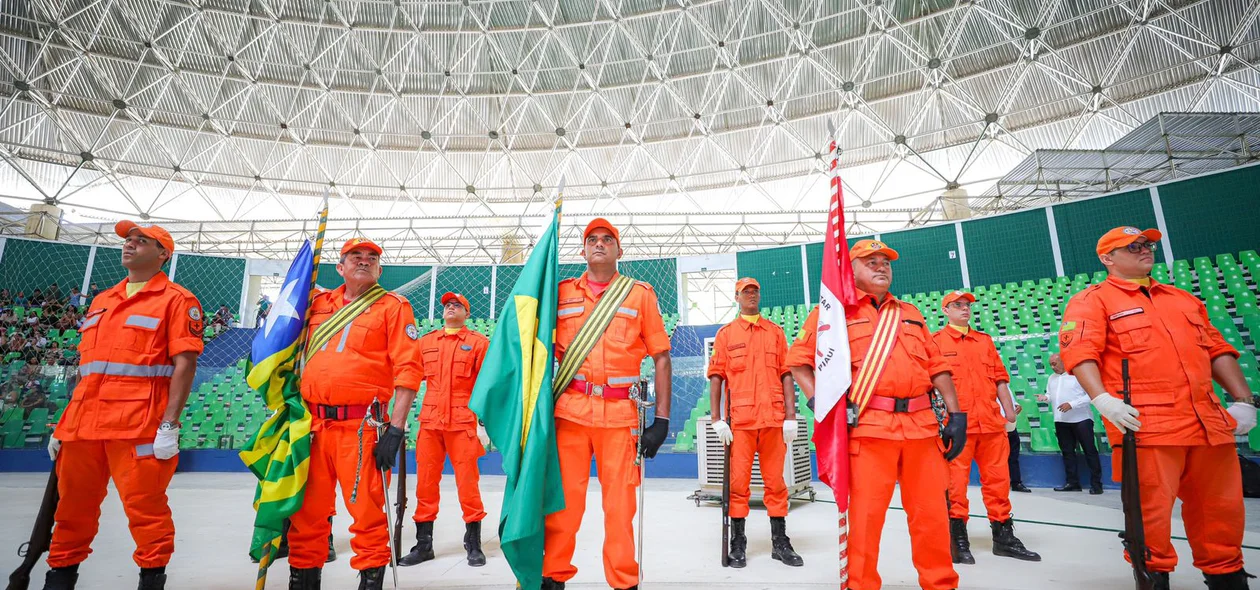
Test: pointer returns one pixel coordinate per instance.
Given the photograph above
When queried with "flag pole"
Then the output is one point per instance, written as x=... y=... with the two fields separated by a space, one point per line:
x=273 y=547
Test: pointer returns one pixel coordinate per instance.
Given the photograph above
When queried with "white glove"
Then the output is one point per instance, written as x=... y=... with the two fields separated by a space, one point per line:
x=1122 y=415
x=54 y=446
x=166 y=443
x=1245 y=414
x=789 y=431
x=483 y=436
x=723 y=432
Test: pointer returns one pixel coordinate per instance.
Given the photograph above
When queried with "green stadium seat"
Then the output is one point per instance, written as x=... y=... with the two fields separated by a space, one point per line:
x=1043 y=440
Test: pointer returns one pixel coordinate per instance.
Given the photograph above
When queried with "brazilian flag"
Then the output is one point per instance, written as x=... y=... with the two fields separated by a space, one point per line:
x=512 y=397
x=279 y=453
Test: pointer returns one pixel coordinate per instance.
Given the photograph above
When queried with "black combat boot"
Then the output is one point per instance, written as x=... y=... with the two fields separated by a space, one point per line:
x=62 y=578
x=472 y=544
x=152 y=578
x=372 y=578
x=332 y=551
x=305 y=579
x=960 y=545
x=781 y=544
x=1231 y=581
x=739 y=544
x=550 y=584
x=1005 y=544
x=1160 y=580
x=423 y=551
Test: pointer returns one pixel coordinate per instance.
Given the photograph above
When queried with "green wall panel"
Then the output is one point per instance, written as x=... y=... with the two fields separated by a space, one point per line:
x=1080 y=224
x=662 y=274
x=1211 y=215
x=33 y=264
x=927 y=259
x=1008 y=248
x=215 y=281
x=779 y=272
x=107 y=268
x=473 y=282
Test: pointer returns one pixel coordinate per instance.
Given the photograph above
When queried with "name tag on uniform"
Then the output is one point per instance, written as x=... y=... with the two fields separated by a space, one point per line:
x=465 y=347
x=573 y=300
x=1126 y=313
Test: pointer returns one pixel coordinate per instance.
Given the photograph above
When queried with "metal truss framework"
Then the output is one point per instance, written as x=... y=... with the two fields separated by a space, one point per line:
x=438 y=125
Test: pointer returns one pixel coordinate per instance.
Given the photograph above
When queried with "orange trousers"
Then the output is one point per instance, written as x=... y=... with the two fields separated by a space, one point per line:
x=990 y=452
x=614 y=450
x=84 y=468
x=877 y=465
x=1209 y=484
x=334 y=458
x=768 y=444
x=432 y=447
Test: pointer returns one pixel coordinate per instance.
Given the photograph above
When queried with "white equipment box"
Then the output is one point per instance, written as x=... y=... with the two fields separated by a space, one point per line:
x=797 y=471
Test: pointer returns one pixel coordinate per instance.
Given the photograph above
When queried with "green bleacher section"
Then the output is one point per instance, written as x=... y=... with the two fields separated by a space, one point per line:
x=1023 y=318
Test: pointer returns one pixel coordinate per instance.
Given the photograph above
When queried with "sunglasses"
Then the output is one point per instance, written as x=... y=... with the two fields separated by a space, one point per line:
x=1138 y=247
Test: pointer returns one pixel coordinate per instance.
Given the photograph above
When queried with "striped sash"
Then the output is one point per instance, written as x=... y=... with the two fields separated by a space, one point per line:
x=341 y=319
x=882 y=342
x=590 y=332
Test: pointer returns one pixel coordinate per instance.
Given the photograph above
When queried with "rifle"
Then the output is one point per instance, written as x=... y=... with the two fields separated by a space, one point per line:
x=41 y=536
x=1134 y=536
x=400 y=501
x=726 y=484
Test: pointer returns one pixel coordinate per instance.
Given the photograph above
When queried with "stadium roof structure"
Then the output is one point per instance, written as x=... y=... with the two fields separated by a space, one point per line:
x=442 y=127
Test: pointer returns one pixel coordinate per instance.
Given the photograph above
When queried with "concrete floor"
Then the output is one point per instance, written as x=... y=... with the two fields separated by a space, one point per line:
x=213 y=522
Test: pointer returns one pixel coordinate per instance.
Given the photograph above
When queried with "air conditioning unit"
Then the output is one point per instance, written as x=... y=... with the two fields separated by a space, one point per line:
x=797 y=472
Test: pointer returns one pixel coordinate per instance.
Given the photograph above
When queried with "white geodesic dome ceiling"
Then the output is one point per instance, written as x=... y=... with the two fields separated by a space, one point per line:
x=443 y=127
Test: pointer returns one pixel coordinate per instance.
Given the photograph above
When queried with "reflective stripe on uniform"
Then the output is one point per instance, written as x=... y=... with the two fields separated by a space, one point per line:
x=634 y=313
x=125 y=369
x=88 y=323
x=568 y=311
x=143 y=321
x=344 y=334
x=622 y=380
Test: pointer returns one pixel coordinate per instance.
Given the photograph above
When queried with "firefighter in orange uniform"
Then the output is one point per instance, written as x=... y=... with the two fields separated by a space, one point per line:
x=1185 y=436
x=347 y=383
x=979 y=375
x=895 y=438
x=140 y=343
x=595 y=416
x=749 y=355
x=452 y=357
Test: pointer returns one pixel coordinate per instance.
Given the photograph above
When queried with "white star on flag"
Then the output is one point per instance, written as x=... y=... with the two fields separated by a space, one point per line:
x=284 y=309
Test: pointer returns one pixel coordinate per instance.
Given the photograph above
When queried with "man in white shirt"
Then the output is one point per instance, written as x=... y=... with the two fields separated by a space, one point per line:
x=1073 y=425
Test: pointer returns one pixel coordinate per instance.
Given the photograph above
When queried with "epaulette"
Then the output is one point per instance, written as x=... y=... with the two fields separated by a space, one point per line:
x=645 y=284
x=400 y=298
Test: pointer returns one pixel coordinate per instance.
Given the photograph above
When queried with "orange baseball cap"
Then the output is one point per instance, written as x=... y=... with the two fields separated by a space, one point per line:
x=1123 y=236
x=953 y=296
x=353 y=243
x=601 y=223
x=744 y=282
x=447 y=297
x=864 y=248
x=154 y=232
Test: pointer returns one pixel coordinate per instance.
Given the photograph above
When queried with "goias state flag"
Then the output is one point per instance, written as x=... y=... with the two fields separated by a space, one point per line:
x=832 y=367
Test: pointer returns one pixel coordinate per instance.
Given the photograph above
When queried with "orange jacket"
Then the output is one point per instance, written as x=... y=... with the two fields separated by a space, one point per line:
x=914 y=360
x=369 y=358
x=636 y=332
x=1170 y=344
x=750 y=357
x=977 y=370
x=451 y=363
x=126 y=348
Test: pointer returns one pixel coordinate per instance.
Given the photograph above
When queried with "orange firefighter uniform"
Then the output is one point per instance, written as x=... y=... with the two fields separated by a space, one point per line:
x=127 y=345
x=360 y=365
x=977 y=370
x=595 y=418
x=1186 y=441
x=447 y=427
x=750 y=358
x=889 y=447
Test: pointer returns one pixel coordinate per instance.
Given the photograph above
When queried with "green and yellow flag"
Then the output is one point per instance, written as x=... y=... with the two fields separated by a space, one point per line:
x=512 y=397
x=279 y=453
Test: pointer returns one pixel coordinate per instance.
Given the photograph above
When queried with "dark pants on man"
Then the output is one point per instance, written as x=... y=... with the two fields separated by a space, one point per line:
x=1012 y=461
x=1078 y=433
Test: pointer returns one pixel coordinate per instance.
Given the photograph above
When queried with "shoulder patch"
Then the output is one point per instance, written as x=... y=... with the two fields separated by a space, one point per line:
x=194 y=313
x=412 y=332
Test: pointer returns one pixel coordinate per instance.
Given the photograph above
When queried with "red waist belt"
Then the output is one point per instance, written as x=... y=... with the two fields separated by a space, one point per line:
x=340 y=412
x=604 y=391
x=900 y=404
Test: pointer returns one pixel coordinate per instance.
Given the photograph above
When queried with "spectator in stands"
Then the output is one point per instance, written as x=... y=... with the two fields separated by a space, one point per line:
x=20 y=300
x=93 y=290
x=1073 y=425
x=36 y=299
x=53 y=354
x=66 y=320
x=222 y=319
x=34 y=399
x=76 y=298
x=5 y=298
x=8 y=319
x=17 y=343
x=54 y=293
x=264 y=306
